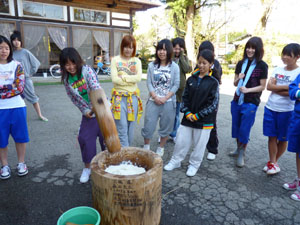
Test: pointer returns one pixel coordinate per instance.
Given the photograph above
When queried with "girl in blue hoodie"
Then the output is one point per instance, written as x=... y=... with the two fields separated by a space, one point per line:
x=294 y=137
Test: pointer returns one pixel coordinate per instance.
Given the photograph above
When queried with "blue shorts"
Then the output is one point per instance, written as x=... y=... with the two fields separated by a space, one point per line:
x=294 y=143
x=13 y=121
x=243 y=118
x=294 y=133
x=276 y=124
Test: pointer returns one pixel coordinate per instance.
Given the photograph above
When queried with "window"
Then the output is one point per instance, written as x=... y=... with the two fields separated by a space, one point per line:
x=91 y=43
x=6 y=29
x=7 y=7
x=89 y=16
x=121 y=23
x=45 y=42
x=118 y=35
x=47 y=11
x=120 y=15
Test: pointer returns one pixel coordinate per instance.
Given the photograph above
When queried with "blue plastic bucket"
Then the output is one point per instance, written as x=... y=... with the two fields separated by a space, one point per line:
x=80 y=215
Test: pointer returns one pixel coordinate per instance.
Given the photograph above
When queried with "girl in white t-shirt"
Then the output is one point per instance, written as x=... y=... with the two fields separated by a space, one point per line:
x=279 y=107
x=12 y=109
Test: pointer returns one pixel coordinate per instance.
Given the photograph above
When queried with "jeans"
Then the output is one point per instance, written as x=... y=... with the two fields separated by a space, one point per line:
x=177 y=121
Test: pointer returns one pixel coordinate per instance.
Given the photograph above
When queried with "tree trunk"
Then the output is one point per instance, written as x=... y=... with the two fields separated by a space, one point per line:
x=267 y=6
x=189 y=37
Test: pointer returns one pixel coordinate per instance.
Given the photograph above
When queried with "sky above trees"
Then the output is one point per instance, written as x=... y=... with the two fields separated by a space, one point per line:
x=244 y=15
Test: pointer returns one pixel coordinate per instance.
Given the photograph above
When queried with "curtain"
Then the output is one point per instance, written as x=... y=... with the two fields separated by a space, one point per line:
x=117 y=42
x=6 y=29
x=33 y=35
x=59 y=36
x=86 y=49
x=79 y=36
x=102 y=38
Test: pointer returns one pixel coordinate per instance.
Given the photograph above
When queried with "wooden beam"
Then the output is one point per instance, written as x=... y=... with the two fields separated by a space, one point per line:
x=122 y=5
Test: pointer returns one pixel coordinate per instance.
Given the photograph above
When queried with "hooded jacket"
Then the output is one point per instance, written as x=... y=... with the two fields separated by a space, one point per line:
x=184 y=67
x=201 y=98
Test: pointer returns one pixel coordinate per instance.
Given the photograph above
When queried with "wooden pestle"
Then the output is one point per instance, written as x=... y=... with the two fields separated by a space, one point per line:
x=105 y=120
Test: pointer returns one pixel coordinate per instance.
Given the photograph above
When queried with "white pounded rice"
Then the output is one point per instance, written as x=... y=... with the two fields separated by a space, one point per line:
x=125 y=168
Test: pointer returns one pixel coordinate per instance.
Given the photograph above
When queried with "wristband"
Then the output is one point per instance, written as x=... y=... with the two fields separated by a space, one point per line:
x=188 y=114
x=195 y=117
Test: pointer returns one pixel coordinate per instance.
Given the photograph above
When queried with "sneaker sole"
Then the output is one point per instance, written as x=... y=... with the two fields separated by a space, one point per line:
x=239 y=165
x=23 y=174
x=211 y=159
x=191 y=175
x=5 y=178
x=289 y=189
x=268 y=173
x=83 y=182
x=172 y=169
x=294 y=197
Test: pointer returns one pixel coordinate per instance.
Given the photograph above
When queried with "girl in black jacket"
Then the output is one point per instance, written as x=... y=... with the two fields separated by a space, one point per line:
x=199 y=101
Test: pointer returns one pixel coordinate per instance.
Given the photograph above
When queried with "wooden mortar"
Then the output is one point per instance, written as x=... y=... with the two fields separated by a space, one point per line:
x=124 y=200
x=127 y=200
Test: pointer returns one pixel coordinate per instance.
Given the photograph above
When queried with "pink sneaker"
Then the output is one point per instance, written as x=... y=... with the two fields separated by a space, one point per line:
x=273 y=169
x=296 y=196
x=292 y=185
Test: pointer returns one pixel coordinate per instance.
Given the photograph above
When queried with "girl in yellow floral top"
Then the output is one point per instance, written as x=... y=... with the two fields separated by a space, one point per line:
x=126 y=72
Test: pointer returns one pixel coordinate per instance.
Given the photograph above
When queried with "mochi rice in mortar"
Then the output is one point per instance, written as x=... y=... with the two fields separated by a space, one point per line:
x=125 y=168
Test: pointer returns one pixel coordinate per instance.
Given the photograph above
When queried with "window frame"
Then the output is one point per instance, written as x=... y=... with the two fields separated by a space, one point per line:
x=21 y=10
x=72 y=16
x=11 y=9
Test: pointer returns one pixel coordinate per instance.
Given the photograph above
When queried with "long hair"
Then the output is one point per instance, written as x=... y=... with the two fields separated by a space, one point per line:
x=257 y=44
x=167 y=45
x=15 y=35
x=70 y=54
x=128 y=41
x=5 y=40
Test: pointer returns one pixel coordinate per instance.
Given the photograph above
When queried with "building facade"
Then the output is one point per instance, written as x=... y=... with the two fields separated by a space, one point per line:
x=93 y=27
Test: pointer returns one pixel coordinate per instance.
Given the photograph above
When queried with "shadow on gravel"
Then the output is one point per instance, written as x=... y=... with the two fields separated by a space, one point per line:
x=42 y=195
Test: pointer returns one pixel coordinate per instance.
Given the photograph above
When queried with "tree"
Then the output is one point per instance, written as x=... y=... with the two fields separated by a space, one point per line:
x=267 y=6
x=183 y=15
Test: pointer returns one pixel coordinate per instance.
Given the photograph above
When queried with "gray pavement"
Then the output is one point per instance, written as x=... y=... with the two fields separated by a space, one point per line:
x=220 y=193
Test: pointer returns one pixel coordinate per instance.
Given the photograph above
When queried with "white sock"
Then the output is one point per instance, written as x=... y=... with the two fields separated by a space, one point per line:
x=160 y=148
x=146 y=146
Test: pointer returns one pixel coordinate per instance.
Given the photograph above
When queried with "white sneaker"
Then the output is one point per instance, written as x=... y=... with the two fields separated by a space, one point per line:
x=273 y=169
x=146 y=147
x=172 y=165
x=191 y=171
x=85 y=176
x=5 y=172
x=22 y=169
x=160 y=151
x=211 y=156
